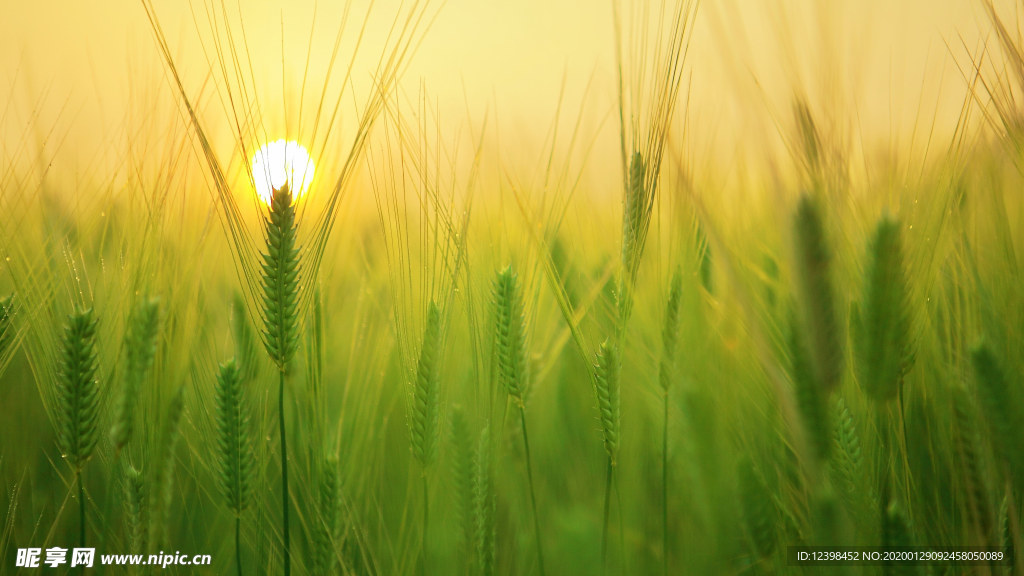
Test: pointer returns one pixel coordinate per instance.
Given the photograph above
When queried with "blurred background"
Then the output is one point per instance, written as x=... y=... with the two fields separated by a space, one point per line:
x=91 y=70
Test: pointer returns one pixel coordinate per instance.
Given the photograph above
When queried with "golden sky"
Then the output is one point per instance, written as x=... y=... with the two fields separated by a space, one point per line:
x=86 y=69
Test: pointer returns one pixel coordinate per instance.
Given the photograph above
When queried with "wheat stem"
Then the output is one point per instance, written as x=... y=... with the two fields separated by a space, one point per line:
x=607 y=513
x=284 y=476
x=81 y=508
x=533 y=495
x=238 y=545
x=665 y=485
x=669 y=337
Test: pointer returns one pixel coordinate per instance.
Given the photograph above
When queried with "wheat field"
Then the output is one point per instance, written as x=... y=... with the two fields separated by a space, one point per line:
x=723 y=287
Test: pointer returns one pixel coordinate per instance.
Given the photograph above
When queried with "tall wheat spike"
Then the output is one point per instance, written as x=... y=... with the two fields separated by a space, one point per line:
x=882 y=332
x=606 y=388
x=483 y=506
x=140 y=346
x=635 y=215
x=426 y=394
x=509 y=333
x=135 y=509
x=328 y=523
x=820 y=325
x=607 y=391
x=847 y=469
x=78 y=395
x=281 y=270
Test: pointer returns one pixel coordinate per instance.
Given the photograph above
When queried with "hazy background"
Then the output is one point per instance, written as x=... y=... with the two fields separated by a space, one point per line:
x=80 y=75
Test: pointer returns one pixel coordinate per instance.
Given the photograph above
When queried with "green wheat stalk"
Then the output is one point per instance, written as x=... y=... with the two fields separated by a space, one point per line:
x=78 y=397
x=666 y=369
x=606 y=388
x=462 y=473
x=510 y=348
x=483 y=505
x=280 y=317
x=234 y=447
x=425 y=421
x=170 y=437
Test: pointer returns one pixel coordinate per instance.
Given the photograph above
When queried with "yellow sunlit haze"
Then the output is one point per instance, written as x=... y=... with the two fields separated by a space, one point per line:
x=887 y=65
x=278 y=163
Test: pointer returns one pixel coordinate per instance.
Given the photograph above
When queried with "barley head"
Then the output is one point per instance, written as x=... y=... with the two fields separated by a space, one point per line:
x=234 y=441
x=510 y=333
x=881 y=337
x=426 y=396
x=134 y=508
x=484 y=506
x=140 y=349
x=329 y=518
x=814 y=284
x=607 y=389
x=635 y=215
x=78 y=389
x=670 y=332
x=281 y=281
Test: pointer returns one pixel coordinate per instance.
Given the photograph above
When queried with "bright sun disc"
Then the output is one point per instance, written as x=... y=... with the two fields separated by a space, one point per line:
x=279 y=162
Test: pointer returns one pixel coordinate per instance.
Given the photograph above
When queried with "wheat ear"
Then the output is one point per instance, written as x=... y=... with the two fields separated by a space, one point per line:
x=820 y=325
x=140 y=345
x=881 y=325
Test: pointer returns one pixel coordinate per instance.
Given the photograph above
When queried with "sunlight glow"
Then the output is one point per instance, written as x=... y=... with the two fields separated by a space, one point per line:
x=279 y=162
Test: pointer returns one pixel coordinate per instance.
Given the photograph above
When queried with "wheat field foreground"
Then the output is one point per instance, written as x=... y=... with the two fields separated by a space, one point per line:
x=538 y=288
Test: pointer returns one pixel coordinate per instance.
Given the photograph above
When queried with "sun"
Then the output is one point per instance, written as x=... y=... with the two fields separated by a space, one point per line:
x=280 y=162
